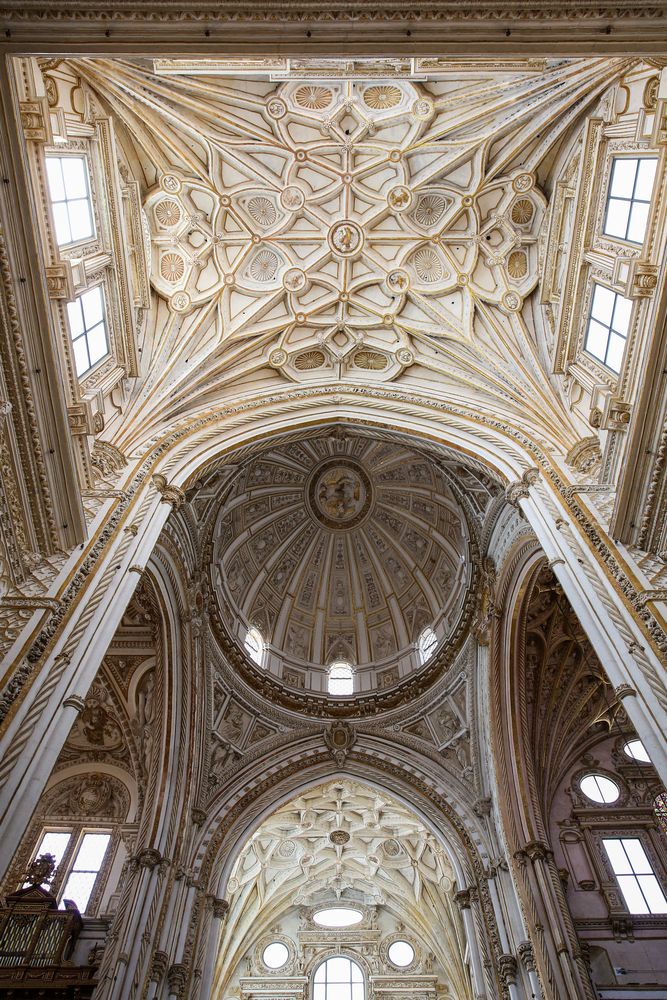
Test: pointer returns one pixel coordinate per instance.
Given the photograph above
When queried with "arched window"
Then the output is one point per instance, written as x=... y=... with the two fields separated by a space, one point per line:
x=338 y=978
x=254 y=645
x=341 y=678
x=426 y=644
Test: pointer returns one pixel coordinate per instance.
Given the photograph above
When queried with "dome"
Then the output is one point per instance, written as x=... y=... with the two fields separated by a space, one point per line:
x=341 y=547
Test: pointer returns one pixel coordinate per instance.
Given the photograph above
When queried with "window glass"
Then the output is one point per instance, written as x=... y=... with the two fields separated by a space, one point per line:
x=338 y=978
x=87 y=324
x=341 y=678
x=275 y=955
x=636 y=750
x=636 y=878
x=629 y=197
x=599 y=788
x=660 y=810
x=337 y=916
x=87 y=863
x=401 y=953
x=608 y=326
x=428 y=640
x=254 y=645
x=70 y=198
x=53 y=842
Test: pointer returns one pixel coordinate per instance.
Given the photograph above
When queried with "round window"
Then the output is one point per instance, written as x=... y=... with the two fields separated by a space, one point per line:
x=636 y=750
x=338 y=916
x=401 y=953
x=598 y=788
x=275 y=955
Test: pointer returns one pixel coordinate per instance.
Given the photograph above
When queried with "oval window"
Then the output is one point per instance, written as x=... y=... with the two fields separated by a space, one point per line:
x=338 y=916
x=401 y=953
x=635 y=750
x=598 y=788
x=275 y=955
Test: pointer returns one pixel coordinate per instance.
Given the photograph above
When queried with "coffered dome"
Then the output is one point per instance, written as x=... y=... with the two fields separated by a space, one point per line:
x=341 y=547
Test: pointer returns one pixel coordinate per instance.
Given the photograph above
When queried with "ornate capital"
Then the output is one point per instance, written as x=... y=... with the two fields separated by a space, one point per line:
x=525 y=953
x=508 y=969
x=466 y=897
x=220 y=907
x=149 y=858
x=625 y=691
x=169 y=494
x=76 y=702
x=520 y=489
x=198 y=816
x=159 y=965
x=177 y=975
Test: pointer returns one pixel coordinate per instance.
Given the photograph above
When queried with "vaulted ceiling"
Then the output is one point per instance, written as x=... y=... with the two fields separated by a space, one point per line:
x=346 y=230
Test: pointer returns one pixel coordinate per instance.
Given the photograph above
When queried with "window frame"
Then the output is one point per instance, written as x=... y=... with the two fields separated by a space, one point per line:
x=323 y=962
x=77 y=832
x=86 y=330
x=617 y=158
x=610 y=329
x=632 y=874
x=433 y=638
x=75 y=155
x=252 y=630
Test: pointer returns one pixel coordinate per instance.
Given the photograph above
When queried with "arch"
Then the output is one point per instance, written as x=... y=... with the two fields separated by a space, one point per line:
x=250 y=802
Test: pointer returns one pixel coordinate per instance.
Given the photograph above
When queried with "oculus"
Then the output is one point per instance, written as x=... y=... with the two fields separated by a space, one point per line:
x=275 y=955
x=401 y=954
x=599 y=788
x=337 y=916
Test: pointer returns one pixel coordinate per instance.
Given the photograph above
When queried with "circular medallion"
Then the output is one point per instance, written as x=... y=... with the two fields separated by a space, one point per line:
x=346 y=238
x=398 y=281
x=277 y=358
x=170 y=183
x=399 y=198
x=292 y=198
x=180 y=302
x=340 y=494
x=276 y=108
x=294 y=279
x=423 y=109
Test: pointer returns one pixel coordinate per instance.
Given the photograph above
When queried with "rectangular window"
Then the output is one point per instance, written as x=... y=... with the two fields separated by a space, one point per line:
x=608 y=326
x=53 y=842
x=629 y=197
x=637 y=881
x=69 y=188
x=87 y=863
x=87 y=325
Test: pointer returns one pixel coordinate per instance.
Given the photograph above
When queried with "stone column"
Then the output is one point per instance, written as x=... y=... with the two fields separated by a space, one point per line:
x=219 y=911
x=464 y=900
x=177 y=979
x=525 y=952
x=553 y=927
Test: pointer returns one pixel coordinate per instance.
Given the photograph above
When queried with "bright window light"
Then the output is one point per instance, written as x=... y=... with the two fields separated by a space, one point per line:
x=275 y=955
x=641 y=889
x=53 y=842
x=84 y=871
x=341 y=678
x=401 y=954
x=629 y=197
x=70 y=198
x=87 y=324
x=254 y=645
x=635 y=750
x=426 y=644
x=338 y=916
x=338 y=978
x=608 y=326
x=598 y=788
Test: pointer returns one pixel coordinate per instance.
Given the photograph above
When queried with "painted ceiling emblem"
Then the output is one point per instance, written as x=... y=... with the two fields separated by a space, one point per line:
x=172 y=267
x=168 y=213
x=380 y=98
x=430 y=209
x=264 y=265
x=340 y=493
x=313 y=98
x=400 y=198
x=263 y=211
x=346 y=238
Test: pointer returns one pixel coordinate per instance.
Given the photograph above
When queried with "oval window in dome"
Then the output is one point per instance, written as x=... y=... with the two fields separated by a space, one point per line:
x=337 y=916
x=599 y=788
x=635 y=750
x=275 y=955
x=401 y=954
